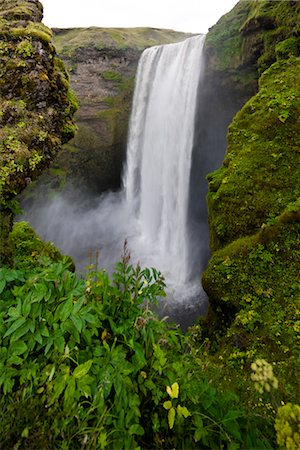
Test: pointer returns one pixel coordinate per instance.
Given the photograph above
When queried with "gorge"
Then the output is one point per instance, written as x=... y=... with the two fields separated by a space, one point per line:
x=151 y=212
x=85 y=362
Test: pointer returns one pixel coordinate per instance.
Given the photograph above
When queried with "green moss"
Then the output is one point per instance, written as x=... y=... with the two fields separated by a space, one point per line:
x=252 y=278
x=28 y=250
x=254 y=289
x=262 y=164
x=224 y=39
x=246 y=41
x=35 y=31
x=36 y=105
x=288 y=47
x=110 y=75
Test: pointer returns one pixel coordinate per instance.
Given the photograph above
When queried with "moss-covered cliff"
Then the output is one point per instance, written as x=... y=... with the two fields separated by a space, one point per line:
x=36 y=104
x=102 y=63
x=254 y=212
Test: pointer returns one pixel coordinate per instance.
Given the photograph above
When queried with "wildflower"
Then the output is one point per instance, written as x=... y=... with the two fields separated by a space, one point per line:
x=263 y=376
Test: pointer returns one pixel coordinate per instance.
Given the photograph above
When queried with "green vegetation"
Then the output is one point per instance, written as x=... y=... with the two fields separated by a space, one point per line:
x=254 y=290
x=247 y=40
x=110 y=75
x=263 y=152
x=252 y=278
x=36 y=104
x=85 y=362
x=68 y=41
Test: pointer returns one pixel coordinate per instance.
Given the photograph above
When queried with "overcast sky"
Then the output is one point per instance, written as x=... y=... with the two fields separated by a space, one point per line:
x=194 y=16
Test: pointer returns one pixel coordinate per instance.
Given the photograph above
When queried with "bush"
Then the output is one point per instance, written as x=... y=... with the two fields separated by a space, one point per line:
x=85 y=363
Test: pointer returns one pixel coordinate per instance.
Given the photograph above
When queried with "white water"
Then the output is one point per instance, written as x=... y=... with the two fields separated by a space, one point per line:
x=151 y=210
x=159 y=152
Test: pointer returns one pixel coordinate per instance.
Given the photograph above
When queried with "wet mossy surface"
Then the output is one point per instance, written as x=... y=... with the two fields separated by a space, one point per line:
x=252 y=278
x=261 y=169
x=248 y=40
x=254 y=291
x=36 y=103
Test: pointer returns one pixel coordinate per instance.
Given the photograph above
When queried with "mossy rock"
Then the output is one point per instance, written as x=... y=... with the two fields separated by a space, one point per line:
x=36 y=103
x=246 y=41
x=261 y=170
x=29 y=251
x=254 y=290
x=252 y=278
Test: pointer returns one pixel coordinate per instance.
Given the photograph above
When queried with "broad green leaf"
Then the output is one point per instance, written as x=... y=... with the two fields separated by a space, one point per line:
x=59 y=386
x=106 y=379
x=66 y=309
x=40 y=292
x=21 y=331
x=8 y=385
x=14 y=326
x=84 y=385
x=136 y=429
x=167 y=405
x=77 y=322
x=17 y=348
x=173 y=391
x=171 y=417
x=16 y=360
x=59 y=343
x=183 y=411
x=2 y=285
x=13 y=312
x=78 y=304
x=69 y=393
x=31 y=325
x=26 y=307
x=139 y=357
x=38 y=338
x=82 y=369
x=44 y=330
x=49 y=345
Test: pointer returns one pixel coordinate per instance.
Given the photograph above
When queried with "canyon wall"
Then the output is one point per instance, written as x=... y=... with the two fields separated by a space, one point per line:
x=102 y=63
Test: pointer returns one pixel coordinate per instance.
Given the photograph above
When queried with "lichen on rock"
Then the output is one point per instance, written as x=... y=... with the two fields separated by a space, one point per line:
x=36 y=103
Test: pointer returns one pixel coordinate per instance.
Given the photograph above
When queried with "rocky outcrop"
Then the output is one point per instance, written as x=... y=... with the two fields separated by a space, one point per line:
x=36 y=104
x=102 y=64
x=252 y=278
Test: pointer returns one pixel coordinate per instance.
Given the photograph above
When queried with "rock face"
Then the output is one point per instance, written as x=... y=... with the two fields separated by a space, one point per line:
x=36 y=104
x=102 y=64
x=254 y=211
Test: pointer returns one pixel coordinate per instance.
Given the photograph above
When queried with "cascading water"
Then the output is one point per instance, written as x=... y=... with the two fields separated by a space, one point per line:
x=151 y=211
x=156 y=179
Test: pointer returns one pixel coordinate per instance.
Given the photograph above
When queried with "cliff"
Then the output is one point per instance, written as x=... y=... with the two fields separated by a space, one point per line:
x=102 y=63
x=253 y=275
x=36 y=104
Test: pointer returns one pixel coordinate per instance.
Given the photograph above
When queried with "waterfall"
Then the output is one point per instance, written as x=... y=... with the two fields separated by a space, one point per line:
x=156 y=179
x=151 y=211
